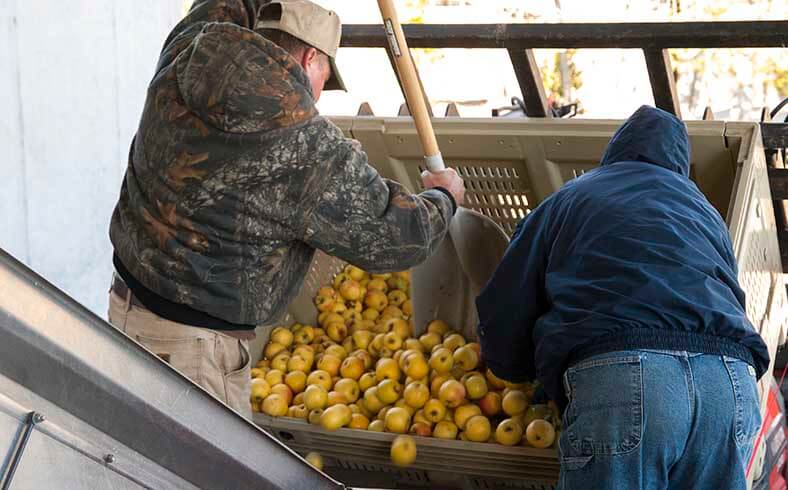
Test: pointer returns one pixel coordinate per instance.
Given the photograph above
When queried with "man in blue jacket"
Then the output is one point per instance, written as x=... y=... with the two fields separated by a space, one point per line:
x=619 y=294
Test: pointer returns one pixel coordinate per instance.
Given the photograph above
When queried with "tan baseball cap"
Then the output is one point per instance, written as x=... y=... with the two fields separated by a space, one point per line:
x=310 y=23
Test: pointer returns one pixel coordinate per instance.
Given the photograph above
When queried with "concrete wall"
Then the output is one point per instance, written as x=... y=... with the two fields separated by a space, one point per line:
x=73 y=76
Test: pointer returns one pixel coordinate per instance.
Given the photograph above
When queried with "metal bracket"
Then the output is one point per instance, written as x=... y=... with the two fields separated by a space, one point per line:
x=32 y=419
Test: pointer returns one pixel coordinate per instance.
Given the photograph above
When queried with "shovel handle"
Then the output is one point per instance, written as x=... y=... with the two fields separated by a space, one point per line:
x=410 y=85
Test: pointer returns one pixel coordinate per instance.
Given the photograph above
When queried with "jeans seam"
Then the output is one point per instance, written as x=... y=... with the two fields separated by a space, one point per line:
x=690 y=379
x=737 y=404
x=603 y=362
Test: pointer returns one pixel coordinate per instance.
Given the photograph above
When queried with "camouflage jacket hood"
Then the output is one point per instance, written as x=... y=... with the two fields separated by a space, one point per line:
x=234 y=179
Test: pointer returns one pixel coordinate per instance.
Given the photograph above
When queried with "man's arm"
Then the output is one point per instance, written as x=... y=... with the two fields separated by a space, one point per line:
x=513 y=301
x=375 y=223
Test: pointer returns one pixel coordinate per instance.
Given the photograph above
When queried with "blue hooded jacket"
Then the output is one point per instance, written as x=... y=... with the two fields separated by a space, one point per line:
x=628 y=256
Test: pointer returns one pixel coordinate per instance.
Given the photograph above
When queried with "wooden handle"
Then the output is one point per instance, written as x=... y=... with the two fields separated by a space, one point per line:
x=410 y=84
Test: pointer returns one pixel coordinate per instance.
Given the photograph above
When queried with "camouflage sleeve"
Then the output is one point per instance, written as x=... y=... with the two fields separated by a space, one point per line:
x=372 y=222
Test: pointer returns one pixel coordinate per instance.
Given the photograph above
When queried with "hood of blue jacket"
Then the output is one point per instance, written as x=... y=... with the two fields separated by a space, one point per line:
x=652 y=136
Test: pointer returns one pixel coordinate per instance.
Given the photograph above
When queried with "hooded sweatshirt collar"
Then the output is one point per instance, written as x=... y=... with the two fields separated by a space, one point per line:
x=651 y=136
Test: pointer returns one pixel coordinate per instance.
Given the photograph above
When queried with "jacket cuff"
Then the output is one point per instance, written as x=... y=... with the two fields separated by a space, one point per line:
x=451 y=198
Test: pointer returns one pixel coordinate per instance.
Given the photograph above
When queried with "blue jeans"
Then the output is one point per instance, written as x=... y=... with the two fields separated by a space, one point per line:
x=658 y=420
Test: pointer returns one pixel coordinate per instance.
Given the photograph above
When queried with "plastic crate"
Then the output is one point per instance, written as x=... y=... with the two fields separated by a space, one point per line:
x=509 y=166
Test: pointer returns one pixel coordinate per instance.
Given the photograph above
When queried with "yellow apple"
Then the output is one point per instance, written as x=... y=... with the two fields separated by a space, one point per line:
x=280 y=361
x=403 y=451
x=320 y=378
x=463 y=413
x=282 y=336
x=362 y=338
x=416 y=366
x=315 y=397
x=314 y=416
x=397 y=297
x=337 y=398
x=401 y=403
x=490 y=404
x=466 y=358
x=377 y=285
x=416 y=394
x=352 y=367
x=364 y=356
x=260 y=390
x=478 y=429
x=439 y=327
x=430 y=340
x=284 y=391
x=330 y=364
x=336 y=416
x=370 y=314
x=371 y=400
x=389 y=391
x=514 y=403
x=437 y=382
x=413 y=344
x=298 y=412
x=350 y=290
x=442 y=360
x=336 y=331
x=298 y=363
x=422 y=429
x=274 y=377
x=387 y=368
x=397 y=420
x=540 y=433
x=296 y=380
x=366 y=381
x=445 y=430
x=420 y=417
x=272 y=349
x=392 y=341
x=509 y=432
x=376 y=426
x=358 y=421
x=400 y=327
x=304 y=335
x=376 y=300
x=315 y=460
x=275 y=405
x=348 y=387
x=434 y=410
x=452 y=393
x=476 y=387
x=453 y=342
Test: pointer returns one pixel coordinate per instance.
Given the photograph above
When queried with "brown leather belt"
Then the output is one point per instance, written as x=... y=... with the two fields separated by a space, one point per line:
x=120 y=289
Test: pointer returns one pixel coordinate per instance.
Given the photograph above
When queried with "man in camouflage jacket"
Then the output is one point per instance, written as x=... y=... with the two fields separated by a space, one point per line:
x=234 y=180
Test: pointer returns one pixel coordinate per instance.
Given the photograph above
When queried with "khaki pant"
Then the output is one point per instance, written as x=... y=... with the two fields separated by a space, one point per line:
x=217 y=362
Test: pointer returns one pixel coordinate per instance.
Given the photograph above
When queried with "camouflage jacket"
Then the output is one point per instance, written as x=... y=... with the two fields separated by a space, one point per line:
x=234 y=179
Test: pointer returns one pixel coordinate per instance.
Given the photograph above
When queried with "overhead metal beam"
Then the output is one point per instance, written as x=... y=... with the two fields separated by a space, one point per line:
x=645 y=35
x=663 y=83
x=530 y=80
x=778 y=179
x=775 y=135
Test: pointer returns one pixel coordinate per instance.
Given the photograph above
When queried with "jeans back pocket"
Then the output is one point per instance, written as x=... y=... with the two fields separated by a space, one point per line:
x=605 y=412
x=747 y=407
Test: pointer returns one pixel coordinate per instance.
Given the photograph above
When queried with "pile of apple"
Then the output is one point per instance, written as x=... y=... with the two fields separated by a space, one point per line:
x=362 y=368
